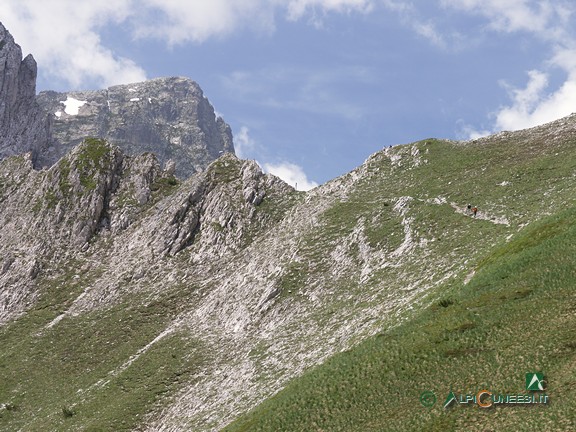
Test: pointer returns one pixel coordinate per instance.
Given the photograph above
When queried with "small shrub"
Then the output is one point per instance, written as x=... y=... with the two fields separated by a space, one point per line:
x=445 y=302
x=67 y=412
x=164 y=184
x=217 y=227
x=521 y=294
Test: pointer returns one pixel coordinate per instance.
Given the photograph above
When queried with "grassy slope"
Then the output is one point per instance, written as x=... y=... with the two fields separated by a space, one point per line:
x=516 y=177
x=43 y=371
x=518 y=314
x=62 y=378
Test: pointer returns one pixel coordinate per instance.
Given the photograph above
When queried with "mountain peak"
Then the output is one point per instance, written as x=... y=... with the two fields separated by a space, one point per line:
x=169 y=117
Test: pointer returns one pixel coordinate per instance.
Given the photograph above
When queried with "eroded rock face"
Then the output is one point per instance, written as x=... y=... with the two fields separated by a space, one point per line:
x=24 y=127
x=97 y=192
x=169 y=117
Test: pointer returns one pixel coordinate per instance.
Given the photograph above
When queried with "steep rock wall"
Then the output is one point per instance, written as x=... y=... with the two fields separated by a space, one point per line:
x=24 y=127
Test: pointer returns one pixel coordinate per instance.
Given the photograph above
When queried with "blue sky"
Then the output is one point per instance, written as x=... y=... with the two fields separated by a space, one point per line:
x=311 y=88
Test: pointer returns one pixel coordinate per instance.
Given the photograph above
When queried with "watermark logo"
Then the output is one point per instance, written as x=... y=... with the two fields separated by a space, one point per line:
x=428 y=399
x=486 y=398
x=535 y=381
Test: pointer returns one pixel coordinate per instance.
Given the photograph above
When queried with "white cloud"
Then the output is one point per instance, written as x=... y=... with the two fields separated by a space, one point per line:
x=429 y=31
x=531 y=106
x=524 y=101
x=243 y=143
x=63 y=37
x=292 y=174
x=179 y=21
x=469 y=132
x=298 y=8
x=536 y=16
x=410 y=17
x=245 y=146
x=549 y=22
x=183 y=21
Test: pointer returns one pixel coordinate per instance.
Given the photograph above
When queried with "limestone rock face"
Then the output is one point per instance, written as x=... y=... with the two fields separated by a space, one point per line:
x=169 y=117
x=96 y=191
x=24 y=127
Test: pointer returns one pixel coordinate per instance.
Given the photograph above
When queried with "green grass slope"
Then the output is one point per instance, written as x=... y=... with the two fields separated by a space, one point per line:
x=76 y=375
x=516 y=315
x=384 y=249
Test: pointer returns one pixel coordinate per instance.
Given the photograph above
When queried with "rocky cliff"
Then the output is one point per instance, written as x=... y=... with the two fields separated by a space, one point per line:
x=170 y=117
x=24 y=127
x=167 y=116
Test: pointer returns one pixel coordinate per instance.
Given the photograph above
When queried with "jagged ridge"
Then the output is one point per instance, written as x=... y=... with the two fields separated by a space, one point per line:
x=54 y=214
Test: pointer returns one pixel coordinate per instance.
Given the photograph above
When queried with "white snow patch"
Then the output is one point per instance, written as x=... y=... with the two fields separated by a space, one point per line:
x=58 y=114
x=134 y=99
x=72 y=105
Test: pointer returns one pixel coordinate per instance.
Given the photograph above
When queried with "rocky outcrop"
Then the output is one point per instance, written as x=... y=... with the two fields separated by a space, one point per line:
x=169 y=117
x=24 y=127
x=96 y=191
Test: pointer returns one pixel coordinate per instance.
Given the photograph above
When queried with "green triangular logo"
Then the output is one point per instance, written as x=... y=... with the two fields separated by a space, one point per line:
x=534 y=381
x=451 y=398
